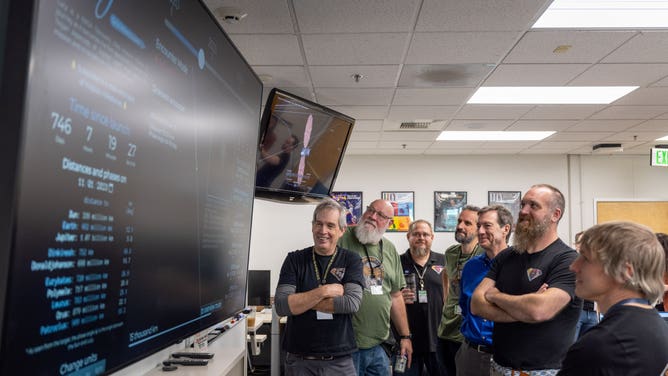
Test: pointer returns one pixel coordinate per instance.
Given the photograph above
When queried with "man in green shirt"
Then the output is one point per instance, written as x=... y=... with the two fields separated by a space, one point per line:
x=382 y=299
x=466 y=234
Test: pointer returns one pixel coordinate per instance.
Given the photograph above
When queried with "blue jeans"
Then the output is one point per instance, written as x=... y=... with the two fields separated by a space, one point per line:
x=588 y=320
x=372 y=361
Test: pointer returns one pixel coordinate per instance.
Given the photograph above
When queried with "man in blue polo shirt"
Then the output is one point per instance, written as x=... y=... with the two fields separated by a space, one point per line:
x=494 y=227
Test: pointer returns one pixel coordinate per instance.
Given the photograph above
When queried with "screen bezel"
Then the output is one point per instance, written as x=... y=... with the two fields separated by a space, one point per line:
x=291 y=195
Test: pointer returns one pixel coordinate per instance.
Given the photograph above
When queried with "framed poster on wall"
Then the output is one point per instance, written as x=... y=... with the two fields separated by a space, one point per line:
x=447 y=206
x=509 y=199
x=352 y=202
x=403 y=204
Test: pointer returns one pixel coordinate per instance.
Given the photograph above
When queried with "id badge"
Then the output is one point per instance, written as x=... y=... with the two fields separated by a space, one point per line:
x=324 y=315
x=422 y=296
x=376 y=290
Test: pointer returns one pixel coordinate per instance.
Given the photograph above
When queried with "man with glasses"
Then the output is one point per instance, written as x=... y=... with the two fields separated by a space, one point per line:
x=466 y=234
x=382 y=299
x=423 y=297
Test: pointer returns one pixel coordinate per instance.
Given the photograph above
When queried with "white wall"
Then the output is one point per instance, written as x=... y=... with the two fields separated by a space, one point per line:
x=279 y=228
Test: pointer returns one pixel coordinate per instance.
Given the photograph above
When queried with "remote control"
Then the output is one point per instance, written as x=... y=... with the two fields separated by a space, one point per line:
x=192 y=355
x=186 y=362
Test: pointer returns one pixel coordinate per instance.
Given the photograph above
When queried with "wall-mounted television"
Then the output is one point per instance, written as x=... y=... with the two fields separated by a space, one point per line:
x=301 y=148
x=130 y=133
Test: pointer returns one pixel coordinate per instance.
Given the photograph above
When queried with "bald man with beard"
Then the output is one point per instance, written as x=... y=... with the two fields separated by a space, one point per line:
x=382 y=299
x=529 y=291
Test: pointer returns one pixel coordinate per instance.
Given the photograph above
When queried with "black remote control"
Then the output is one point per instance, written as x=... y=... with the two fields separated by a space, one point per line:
x=186 y=362
x=192 y=355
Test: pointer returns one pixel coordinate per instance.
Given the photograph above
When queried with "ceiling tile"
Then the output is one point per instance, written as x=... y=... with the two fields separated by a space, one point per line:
x=413 y=113
x=649 y=96
x=534 y=74
x=431 y=97
x=263 y=17
x=351 y=97
x=630 y=112
x=440 y=75
x=586 y=46
x=478 y=125
x=353 y=16
x=603 y=125
x=459 y=48
x=541 y=125
x=269 y=49
x=368 y=125
x=660 y=125
x=478 y=15
x=409 y=136
x=560 y=146
x=351 y=49
x=457 y=144
x=517 y=145
x=364 y=136
x=621 y=75
x=579 y=136
x=377 y=76
x=284 y=76
x=635 y=136
x=363 y=112
x=492 y=111
x=646 y=47
x=398 y=146
x=562 y=111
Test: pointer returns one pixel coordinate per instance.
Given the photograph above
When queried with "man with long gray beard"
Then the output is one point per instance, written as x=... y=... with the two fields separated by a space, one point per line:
x=382 y=299
x=466 y=234
x=529 y=291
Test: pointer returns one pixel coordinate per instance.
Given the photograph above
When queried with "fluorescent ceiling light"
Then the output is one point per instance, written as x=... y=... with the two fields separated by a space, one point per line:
x=492 y=136
x=664 y=138
x=549 y=94
x=605 y=14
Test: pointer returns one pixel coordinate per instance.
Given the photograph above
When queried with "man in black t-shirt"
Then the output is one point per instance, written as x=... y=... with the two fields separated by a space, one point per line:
x=529 y=291
x=319 y=289
x=423 y=296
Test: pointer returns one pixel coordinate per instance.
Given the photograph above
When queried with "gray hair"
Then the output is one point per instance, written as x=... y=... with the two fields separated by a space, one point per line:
x=503 y=215
x=416 y=222
x=328 y=203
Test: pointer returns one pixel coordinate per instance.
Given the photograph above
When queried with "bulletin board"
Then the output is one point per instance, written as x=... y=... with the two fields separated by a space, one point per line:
x=653 y=214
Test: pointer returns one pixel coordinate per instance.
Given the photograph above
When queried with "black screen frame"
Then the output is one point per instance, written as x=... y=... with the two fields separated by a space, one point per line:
x=17 y=28
x=290 y=195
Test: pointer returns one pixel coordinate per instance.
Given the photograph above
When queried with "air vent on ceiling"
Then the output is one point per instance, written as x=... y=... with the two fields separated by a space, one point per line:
x=414 y=125
x=607 y=148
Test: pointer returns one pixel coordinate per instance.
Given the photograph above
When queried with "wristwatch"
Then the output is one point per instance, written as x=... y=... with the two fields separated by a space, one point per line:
x=409 y=336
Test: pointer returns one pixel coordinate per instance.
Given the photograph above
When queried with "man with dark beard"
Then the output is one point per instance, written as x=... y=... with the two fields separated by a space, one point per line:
x=382 y=299
x=424 y=300
x=529 y=291
x=466 y=234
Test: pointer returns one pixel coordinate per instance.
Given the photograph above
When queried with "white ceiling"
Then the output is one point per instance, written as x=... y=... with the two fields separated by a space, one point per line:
x=422 y=59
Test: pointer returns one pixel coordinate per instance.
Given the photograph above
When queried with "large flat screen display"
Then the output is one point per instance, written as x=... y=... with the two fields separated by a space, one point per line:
x=131 y=217
x=301 y=149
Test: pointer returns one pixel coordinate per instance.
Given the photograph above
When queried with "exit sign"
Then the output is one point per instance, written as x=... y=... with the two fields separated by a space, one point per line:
x=659 y=157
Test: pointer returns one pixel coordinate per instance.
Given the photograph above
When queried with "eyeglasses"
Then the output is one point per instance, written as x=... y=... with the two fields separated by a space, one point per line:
x=371 y=210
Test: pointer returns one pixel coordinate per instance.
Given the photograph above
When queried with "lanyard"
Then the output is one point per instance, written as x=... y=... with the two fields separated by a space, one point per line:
x=625 y=301
x=369 y=258
x=421 y=276
x=329 y=265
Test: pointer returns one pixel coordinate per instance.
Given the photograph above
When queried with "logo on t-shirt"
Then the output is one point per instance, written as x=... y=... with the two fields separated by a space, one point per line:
x=338 y=273
x=534 y=273
x=437 y=268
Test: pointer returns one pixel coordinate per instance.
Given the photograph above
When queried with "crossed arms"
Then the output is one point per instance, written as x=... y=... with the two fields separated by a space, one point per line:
x=331 y=298
x=488 y=302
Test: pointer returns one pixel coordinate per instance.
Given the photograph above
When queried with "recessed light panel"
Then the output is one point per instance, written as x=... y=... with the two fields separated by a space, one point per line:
x=492 y=136
x=609 y=14
x=549 y=94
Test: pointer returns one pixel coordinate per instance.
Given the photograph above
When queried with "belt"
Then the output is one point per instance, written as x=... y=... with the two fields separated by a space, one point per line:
x=499 y=370
x=314 y=357
x=480 y=348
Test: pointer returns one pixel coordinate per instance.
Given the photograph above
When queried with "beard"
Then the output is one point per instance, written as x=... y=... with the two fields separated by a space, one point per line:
x=419 y=251
x=368 y=235
x=461 y=237
x=529 y=231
